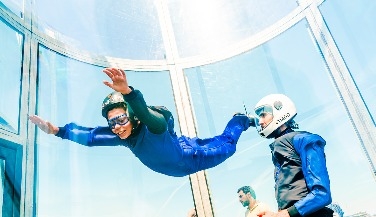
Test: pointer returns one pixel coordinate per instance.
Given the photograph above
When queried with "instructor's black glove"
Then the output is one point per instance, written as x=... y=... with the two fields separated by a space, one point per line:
x=252 y=119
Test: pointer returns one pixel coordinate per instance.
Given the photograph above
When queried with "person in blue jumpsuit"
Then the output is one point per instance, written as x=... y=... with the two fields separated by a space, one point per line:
x=148 y=131
x=302 y=185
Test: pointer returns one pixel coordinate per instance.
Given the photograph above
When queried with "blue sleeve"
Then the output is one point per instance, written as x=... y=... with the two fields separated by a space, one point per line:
x=310 y=147
x=98 y=136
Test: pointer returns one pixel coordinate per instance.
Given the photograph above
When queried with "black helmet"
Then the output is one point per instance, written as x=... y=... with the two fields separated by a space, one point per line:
x=113 y=100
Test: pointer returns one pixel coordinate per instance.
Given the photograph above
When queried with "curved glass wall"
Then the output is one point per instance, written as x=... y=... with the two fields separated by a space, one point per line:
x=206 y=26
x=356 y=42
x=203 y=59
x=15 y=6
x=75 y=180
x=218 y=90
x=11 y=57
x=124 y=29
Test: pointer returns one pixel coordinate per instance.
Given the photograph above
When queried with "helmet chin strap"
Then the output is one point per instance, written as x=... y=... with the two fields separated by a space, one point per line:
x=280 y=131
x=274 y=134
x=135 y=126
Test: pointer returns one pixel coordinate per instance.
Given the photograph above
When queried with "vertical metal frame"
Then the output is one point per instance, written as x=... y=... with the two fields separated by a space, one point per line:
x=22 y=24
x=200 y=190
x=344 y=83
x=30 y=152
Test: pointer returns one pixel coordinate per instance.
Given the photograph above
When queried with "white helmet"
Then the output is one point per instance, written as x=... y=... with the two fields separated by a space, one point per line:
x=278 y=105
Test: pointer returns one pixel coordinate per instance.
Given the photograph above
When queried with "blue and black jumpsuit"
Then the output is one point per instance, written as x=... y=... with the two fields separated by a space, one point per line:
x=302 y=184
x=155 y=143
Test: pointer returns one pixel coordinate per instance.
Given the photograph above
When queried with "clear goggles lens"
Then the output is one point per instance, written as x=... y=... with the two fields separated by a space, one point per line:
x=264 y=109
x=121 y=120
x=260 y=111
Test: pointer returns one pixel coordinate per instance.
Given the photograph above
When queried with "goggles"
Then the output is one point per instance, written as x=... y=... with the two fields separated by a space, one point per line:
x=264 y=109
x=120 y=119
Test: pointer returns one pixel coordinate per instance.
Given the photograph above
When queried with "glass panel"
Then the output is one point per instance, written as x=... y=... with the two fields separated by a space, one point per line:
x=10 y=77
x=125 y=29
x=356 y=42
x=289 y=64
x=2 y=180
x=10 y=177
x=15 y=6
x=75 y=180
x=203 y=26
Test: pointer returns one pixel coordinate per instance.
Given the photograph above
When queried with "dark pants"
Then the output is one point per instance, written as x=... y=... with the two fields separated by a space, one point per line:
x=324 y=212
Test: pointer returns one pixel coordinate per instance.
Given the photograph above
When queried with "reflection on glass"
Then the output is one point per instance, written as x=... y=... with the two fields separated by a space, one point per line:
x=203 y=26
x=131 y=30
x=15 y=6
x=10 y=76
x=288 y=64
x=75 y=180
x=2 y=180
x=352 y=24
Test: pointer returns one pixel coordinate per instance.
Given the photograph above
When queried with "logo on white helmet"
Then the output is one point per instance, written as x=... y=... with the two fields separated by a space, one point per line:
x=278 y=105
x=284 y=117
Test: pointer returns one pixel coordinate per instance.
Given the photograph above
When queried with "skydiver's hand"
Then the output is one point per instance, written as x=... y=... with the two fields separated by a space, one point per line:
x=119 y=80
x=45 y=126
x=252 y=119
x=192 y=213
